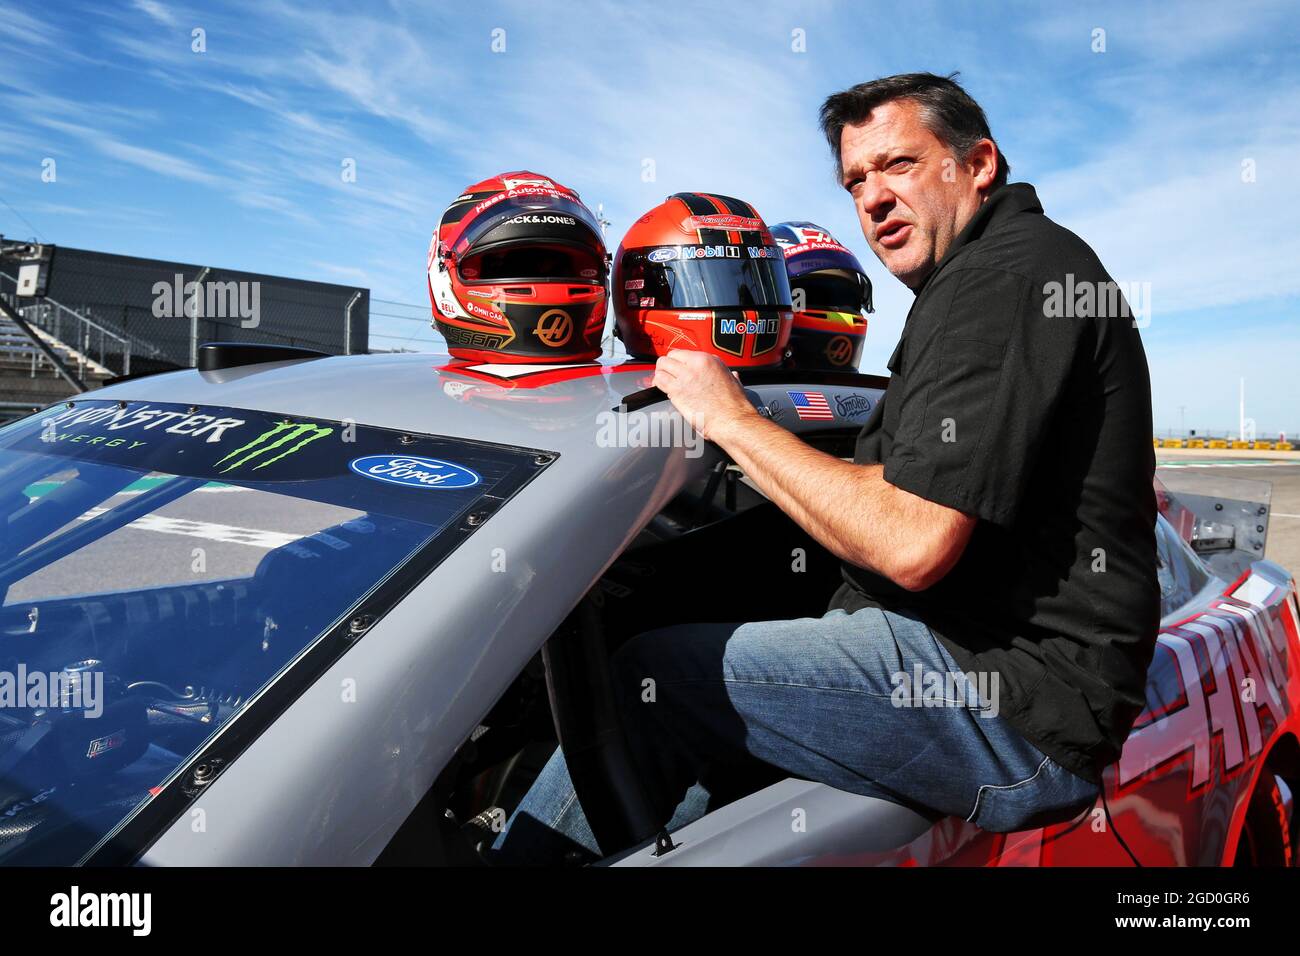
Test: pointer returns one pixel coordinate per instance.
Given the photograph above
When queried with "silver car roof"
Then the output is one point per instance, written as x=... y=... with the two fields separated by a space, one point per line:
x=541 y=406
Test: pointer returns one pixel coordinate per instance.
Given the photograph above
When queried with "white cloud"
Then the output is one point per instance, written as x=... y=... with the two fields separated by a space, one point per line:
x=150 y=159
x=23 y=29
x=156 y=11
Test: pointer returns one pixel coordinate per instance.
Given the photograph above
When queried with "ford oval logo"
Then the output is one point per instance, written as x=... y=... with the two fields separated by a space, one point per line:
x=415 y=472
x=663 y=254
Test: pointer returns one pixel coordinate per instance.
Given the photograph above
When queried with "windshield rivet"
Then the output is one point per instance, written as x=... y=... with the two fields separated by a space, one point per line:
x=202 y=773
x=1218 y=506
x=476 y=519
x=407 y=440
x=121 y=403
x=360 y=624
x=70 y=404
x=194 y=410
x=543 y=459
x=1262 y=509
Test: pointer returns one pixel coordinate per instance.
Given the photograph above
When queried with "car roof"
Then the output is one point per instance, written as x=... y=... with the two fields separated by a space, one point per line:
x=555 y=407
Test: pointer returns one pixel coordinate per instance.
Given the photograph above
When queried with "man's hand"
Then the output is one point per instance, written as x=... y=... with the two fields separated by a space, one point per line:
x=701 y=388
x=850 y=509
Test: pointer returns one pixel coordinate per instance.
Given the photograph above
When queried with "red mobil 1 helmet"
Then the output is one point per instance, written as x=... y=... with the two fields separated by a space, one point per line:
x=702 y=272
x=517 y=271
x=830 y=292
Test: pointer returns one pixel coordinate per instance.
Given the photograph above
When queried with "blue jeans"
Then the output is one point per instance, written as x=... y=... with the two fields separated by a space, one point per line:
x=712 y=711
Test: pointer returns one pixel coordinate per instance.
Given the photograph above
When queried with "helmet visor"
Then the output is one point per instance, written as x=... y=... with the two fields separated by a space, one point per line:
x=525 y=261
x=707 y=277
x=836 y=291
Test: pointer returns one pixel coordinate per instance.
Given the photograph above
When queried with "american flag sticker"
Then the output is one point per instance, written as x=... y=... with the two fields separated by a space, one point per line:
x=811 y=406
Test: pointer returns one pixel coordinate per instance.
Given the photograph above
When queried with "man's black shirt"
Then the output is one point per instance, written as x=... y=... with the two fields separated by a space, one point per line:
x=1008 y=404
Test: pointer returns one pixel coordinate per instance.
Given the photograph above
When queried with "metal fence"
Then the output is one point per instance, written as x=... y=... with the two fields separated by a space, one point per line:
x=159 y=312
x=89 y=344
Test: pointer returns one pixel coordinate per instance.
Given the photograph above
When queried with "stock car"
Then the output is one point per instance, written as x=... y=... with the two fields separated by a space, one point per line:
x=301 y=609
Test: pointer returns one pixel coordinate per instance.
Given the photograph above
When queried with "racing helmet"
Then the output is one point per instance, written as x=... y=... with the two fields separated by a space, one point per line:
x=700 y=271
x=517 y=270
x=830 y=292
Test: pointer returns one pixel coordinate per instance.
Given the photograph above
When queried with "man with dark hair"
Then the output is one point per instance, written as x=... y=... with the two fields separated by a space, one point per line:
x=997 y=523
x=946 y=110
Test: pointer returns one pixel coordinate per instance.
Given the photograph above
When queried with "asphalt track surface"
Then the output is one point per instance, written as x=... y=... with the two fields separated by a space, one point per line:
x=1281 y=470
x=213 y=533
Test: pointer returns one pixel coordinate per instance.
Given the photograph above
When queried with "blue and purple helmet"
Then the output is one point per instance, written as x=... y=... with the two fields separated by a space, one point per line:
x=830 y=292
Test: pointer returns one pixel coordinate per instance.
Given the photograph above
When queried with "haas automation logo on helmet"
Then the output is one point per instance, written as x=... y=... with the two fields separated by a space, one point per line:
x=517 y=270
x=830 y=292
x=701 y=271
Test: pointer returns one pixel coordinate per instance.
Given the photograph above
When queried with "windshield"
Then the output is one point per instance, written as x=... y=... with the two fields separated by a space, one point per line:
x=161 y=566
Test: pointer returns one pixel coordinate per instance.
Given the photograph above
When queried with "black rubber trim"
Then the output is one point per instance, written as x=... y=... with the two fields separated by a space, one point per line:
x=118 y=379
x=133 y=837
x=767 y=376
x=214 y=356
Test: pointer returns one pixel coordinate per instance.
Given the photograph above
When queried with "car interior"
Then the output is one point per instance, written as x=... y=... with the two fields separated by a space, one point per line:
x=563 y=694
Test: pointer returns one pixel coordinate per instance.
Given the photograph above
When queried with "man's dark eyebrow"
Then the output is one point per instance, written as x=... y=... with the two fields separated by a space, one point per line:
x=888 y=154
x=850 y=173
x=853 y=173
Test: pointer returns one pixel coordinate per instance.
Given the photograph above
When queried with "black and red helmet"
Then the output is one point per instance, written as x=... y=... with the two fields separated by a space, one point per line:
x=517 y=270
x=701 y=271
x=830 y=292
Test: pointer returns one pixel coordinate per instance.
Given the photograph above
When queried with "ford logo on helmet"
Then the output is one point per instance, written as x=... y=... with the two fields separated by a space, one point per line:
x=663 y=255
x=415 y=472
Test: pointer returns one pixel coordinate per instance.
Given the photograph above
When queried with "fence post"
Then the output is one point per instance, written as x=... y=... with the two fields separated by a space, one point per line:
x=347 y=324
x=195 y=306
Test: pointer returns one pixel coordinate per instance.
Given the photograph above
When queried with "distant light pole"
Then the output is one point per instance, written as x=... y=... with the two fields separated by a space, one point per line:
x=604 y=224
x=1241 y=413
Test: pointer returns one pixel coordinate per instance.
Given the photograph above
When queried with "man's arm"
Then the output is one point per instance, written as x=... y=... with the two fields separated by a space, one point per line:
x=849 y=509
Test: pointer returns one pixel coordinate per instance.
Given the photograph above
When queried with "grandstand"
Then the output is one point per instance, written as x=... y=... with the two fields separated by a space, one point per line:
x=70 y=319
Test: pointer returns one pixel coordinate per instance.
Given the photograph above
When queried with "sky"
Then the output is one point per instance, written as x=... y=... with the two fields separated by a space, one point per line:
x=1167 y=136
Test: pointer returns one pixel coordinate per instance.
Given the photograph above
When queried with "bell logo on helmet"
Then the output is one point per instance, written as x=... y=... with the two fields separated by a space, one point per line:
x=555 y=328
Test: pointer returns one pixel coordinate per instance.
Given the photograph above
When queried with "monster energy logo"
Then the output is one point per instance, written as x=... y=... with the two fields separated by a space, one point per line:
x=267 y=442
